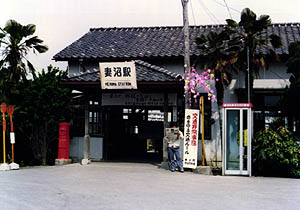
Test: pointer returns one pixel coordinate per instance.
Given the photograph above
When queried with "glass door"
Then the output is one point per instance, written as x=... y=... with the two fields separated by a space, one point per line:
x=236 y=150
x=232 y=143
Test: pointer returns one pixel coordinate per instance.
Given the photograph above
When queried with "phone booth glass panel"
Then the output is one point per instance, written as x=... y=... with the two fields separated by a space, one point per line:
x=237 y=139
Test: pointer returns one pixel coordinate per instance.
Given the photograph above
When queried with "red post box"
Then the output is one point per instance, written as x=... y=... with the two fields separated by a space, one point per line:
x=64 y=141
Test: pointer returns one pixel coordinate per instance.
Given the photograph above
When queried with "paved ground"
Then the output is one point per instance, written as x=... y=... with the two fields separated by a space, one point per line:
x=139 y=186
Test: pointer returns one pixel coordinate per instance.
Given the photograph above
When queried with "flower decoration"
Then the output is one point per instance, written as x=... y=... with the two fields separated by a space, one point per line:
x=194 y=81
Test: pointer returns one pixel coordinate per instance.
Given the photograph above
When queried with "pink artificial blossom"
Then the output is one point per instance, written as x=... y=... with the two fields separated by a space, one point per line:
x=194 y=80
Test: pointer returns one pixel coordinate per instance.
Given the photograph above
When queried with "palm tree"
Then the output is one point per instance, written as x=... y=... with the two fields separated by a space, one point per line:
x=293 y=92
x=16 y=42
x=251 y=33
x=218 y=59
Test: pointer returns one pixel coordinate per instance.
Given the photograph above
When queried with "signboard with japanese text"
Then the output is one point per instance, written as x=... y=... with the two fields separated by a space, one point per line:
x=237 y=105
x=118 y=75
x=190 y=146
x=137 y=99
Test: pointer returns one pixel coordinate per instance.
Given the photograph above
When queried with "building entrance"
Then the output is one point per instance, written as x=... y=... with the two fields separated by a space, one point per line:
x=134 y=134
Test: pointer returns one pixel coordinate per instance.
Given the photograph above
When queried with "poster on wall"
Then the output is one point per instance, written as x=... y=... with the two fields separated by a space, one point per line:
x=190 y=146
x=137 y=99
x=118 y=75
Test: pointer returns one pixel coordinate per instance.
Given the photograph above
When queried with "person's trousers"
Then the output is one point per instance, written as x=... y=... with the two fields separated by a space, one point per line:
x=174 y=151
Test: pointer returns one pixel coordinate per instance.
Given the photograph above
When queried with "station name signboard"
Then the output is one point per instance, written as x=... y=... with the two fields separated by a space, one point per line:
x=118 y=75
x=190 y=146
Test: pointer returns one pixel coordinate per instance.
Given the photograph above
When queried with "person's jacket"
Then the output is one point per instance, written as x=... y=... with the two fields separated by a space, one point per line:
x=174 y=142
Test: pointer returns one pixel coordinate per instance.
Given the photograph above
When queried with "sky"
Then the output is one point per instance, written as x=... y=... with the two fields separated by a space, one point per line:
x=61 y=22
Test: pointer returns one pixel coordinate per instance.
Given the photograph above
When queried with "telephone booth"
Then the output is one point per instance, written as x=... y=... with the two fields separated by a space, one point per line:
x=236 y=138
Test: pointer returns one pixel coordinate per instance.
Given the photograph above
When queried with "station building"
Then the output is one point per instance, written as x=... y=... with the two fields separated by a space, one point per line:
x=129 y=124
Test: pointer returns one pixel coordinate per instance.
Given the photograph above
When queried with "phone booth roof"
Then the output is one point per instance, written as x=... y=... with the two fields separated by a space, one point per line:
x=237 y=105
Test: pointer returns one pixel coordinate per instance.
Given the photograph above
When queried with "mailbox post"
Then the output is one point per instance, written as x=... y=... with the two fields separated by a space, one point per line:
x=63 y=144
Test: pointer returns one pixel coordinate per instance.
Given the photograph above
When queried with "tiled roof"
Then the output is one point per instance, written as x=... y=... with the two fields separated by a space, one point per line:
x=145 y=72
x=151 y=42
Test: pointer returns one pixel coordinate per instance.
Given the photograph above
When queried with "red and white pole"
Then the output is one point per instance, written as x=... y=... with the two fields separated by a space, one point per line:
x=10 y=111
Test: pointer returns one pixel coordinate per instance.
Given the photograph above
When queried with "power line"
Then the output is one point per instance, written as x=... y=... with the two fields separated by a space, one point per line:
x=209 y=13
x=227 y=6
x=228 y=9
x=193 y=13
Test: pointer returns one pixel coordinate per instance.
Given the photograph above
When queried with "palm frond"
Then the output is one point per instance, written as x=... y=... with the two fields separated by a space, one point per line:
x=232 y=23
x=294 y=49
x=28 y=30
x=1 y=63
x=31 y=68
x=40 y=48
x=33 y=41
x=274 y=54
x=2 y=35
x=261 y=24
x=14 y=29
x=248 y=17
x=261 y=42
x=264 y=21
x=201 y=40
x=276 y=41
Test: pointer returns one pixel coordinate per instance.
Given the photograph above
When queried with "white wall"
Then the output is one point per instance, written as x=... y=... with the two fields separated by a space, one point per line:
x=76 y=148
x=74 y=67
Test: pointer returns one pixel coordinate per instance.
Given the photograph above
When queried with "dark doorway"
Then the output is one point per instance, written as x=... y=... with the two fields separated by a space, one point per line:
x=132 y=135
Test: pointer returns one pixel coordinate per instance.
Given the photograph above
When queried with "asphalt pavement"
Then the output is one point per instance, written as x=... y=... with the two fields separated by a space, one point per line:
x=130 y=186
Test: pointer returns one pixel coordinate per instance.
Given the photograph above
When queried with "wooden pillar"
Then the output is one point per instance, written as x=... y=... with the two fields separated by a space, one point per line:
x=86 y=140
x=186 y=33
x=164 y=163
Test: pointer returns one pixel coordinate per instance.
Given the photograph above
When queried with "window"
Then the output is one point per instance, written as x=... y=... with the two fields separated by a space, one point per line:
x=158 y=115
x=95 y=118
x=126 y=113
x=267 y=111
x=155 y=115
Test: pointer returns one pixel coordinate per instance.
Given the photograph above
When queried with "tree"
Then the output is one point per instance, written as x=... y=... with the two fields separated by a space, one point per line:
x=293 y=92
x=251 y=33
x=219 y=58
x=45 y=103
x=17 y=41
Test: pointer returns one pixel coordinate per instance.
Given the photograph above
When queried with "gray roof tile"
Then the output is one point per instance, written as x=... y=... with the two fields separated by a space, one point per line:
x=141 y=42
x=145 y=72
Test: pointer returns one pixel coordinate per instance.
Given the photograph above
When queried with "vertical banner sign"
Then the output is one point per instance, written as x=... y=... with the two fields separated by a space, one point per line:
x=118 y=75
x=190 y=147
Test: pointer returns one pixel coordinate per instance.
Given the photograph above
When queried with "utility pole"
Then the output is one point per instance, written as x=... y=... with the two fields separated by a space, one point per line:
x=248 y=72
x=187 y=65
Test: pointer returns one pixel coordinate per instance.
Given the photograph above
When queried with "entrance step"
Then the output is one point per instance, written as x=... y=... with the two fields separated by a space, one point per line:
x=62 y=161
x=206 y=170
x=164 y=165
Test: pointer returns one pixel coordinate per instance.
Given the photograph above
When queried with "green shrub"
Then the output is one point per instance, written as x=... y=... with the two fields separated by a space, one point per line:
x=276 y=152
